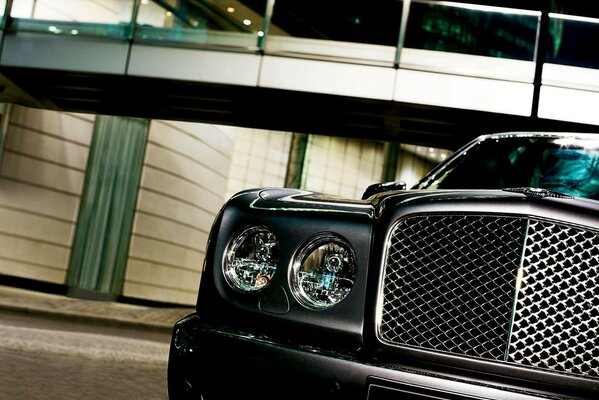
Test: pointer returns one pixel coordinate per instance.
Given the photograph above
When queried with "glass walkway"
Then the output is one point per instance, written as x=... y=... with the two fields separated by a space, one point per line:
x=513 y=61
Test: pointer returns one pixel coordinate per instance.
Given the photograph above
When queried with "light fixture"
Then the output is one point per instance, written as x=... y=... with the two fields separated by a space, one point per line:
x=230 y=9
x=247 y=22
x=323 y=272
x=251 y=259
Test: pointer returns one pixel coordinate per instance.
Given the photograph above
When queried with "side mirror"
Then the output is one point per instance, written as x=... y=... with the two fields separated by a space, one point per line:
x=383 y=187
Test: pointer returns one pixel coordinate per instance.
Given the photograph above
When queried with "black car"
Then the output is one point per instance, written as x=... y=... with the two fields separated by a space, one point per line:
x=482 y=282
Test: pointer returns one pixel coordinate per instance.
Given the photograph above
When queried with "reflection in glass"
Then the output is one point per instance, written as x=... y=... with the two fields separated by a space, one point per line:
x=206 y=22
x=370 y=29
x=73 y=17
x=2 y=9
x=90 y=11
x=568 y=166
x=323 y=272
x=251 y=259
x=492 y=32
x=571 y=39
x=574 y=7
x=359 y=21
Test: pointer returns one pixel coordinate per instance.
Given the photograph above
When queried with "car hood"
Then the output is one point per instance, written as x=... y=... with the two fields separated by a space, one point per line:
x=376 y=207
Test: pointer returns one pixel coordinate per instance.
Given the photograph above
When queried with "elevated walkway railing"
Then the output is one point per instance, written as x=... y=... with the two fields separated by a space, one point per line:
x=450 y=54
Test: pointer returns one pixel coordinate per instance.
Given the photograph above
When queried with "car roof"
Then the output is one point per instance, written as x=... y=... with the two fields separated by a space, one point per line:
x=574 y=135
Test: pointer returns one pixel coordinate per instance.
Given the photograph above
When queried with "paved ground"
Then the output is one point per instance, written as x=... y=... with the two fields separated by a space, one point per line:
x=55 y=347
x=105 y=313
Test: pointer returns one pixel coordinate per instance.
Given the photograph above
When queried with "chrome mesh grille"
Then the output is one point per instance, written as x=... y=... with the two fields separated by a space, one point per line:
x=450 y=284
x=556 y=324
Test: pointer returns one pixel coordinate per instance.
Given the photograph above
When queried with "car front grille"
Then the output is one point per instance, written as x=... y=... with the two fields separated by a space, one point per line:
x=504 y=288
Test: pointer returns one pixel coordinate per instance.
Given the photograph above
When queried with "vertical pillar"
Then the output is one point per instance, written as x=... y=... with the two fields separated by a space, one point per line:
x=101 y=243
x=390 y=156
x=5 y=109
x=403 y=27
x=540 y=55
x=270 y=5
x=6 y=14
x=297 y=155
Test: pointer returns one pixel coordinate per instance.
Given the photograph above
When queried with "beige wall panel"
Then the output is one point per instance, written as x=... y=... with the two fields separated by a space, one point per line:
x=216 y=136
x=234 y=185
x=189 y=144
x=19 y=223
x=73 y=127
x=410 y=168
x=42 y=175
x=91 y=118
x=36 y=200
x=24 y=270
x=183 y=167
x=169 y=231
x=340 y=166
x=259 y=160
x=177 y=296
x=143 y=272
x=26 y=169
x=181 y=189
x=49 y=148
x=29 y=251
x=175 y=210
x=165 y=253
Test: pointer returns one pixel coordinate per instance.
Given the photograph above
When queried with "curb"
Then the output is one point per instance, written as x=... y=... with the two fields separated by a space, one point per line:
x=89 y=319
x=92 y=312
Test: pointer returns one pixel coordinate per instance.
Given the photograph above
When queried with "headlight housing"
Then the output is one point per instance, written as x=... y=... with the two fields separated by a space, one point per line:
x=323 y=272
x=251 y=259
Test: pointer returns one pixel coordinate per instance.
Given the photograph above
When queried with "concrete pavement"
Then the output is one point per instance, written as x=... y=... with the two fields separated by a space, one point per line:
x=90 y=311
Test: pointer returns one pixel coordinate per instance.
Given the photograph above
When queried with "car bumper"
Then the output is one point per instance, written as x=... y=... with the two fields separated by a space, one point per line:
x=207 y=362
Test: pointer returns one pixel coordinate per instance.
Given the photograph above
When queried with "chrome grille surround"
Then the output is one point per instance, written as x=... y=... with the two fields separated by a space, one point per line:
x=504 y=288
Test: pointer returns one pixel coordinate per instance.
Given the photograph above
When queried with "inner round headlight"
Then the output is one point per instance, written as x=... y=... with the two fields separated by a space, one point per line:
x=251 y=259
x=323 y=272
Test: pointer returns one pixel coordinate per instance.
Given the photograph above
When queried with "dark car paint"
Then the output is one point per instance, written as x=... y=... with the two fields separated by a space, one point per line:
x=344 y=332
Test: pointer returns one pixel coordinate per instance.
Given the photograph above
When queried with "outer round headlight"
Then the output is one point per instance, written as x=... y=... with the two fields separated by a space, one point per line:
x=251 y=259
x=323 y=272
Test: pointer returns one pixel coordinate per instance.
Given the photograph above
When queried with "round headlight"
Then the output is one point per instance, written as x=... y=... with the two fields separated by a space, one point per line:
x=323 y=272
x=251 y=259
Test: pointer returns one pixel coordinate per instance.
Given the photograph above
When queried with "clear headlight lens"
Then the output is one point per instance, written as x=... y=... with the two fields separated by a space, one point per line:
x=251 y=259
x=323 y=272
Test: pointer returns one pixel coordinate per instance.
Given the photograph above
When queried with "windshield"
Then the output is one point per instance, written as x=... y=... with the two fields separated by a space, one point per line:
x=568 y=165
